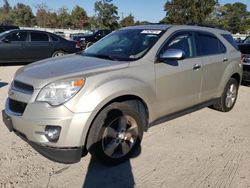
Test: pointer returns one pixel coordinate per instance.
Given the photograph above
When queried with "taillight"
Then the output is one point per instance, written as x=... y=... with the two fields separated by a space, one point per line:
x=78 y=44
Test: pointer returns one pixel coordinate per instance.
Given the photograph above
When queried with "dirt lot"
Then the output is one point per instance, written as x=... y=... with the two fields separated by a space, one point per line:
x=202 y=149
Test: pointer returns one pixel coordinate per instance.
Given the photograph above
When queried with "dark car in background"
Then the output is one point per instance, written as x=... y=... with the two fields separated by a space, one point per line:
x=88 y=39
x=245 y=50
x=32 y=45
x=60 y=33
x=76 y=36
x=7 y=28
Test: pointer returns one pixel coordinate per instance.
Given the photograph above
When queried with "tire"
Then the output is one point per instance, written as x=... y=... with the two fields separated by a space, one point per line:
x=115 y=135
x=58 y=53
x=229 y=96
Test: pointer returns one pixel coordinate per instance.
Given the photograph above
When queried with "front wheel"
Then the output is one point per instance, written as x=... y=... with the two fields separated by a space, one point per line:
x=115 y=134
x=229 y=96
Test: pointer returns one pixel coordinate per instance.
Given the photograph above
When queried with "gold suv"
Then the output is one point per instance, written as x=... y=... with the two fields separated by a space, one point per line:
x=103 y=99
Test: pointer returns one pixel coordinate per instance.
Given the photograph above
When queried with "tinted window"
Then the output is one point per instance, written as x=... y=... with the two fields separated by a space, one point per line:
x=209 y=45
x=230 y=39
x=18 y=36
x=182 y=42
x=247 y=40
x=124 y=45
x=39 y=37
x=53 y=38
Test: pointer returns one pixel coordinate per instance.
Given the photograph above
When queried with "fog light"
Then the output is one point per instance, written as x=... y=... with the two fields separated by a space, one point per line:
x=52 y=133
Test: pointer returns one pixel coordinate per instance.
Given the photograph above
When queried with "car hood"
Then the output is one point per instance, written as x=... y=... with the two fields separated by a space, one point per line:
x=46 y=71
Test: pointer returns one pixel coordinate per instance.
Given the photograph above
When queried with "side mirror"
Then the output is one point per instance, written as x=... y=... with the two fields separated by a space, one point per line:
x=172 y=54
x=6 y=40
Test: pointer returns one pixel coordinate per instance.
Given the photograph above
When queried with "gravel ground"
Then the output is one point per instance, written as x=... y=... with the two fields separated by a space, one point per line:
x=203 y=149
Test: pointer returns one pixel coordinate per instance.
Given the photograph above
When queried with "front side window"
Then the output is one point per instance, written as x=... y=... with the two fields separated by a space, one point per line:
x=39 y=37
x=180 y=42
x=18 y=36
x=209 y=45
x=124 y=45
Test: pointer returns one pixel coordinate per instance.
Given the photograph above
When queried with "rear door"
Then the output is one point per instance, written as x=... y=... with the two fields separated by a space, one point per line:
x=39 y=46
x=214 y=60
x=178 y=83
x=12 y=47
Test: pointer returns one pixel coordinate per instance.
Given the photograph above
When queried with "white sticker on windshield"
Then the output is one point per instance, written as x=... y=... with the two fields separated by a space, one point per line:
x=154 y=32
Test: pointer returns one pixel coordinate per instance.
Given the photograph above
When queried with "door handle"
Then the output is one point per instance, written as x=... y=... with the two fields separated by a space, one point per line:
x=225 y=59
x=196 y=67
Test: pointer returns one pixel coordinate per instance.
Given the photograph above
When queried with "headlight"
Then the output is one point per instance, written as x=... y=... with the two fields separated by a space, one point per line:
x=59 y=92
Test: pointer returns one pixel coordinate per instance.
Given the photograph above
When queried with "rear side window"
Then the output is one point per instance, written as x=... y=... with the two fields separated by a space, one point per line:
x=53 y=38
x=209 y=45
x=39 y=37
x=230 y=39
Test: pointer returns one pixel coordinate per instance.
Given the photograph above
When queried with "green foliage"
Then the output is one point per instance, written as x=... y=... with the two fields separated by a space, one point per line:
x=5 y=16
x=42 y=15
x=233 y=17
x=23 y=15
x=64 y=20
x=79 y=18
x=188 y=11
x=127 y=21
x=106 y=15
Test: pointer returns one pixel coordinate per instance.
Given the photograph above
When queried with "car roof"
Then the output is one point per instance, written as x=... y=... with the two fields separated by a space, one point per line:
x=38 y=31
x=150 y=26
x=30 y=30
x=166 y=27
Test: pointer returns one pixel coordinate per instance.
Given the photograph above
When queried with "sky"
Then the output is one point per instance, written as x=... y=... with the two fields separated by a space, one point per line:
x=149 y=10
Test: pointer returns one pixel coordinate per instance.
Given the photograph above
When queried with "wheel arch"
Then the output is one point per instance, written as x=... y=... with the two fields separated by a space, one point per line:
x=132 y=100
x=57 y=50
x=237 y=77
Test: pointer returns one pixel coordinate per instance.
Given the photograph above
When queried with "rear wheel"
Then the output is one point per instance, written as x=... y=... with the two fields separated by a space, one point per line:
x=58 y=53
x=115 y=134
x=229 y=96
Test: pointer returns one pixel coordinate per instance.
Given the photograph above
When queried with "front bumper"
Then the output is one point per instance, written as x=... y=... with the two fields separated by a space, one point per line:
x=30 y=126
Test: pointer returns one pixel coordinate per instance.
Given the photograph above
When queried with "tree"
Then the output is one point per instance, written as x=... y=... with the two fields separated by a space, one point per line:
x=127 y=21
x=142 y=22
x=52 y=20
x=63 y=18
x=22 y=15
x=233 y=17
x=79 y=18
x=6 y=7
x=106 y=15
x=42 y=15
x=5 y=13
x=189 y=11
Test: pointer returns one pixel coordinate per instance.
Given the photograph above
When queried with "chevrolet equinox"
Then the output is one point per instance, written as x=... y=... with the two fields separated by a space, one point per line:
x=101 y=100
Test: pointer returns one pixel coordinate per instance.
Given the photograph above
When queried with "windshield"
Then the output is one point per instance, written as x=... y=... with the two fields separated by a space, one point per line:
x=124 y=45
x=3 y=33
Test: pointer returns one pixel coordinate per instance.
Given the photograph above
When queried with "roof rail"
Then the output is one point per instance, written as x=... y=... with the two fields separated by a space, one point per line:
x=207 y=25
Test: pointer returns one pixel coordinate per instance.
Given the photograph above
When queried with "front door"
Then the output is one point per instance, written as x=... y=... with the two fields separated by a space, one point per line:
x=12 y=47
x=178 y=83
